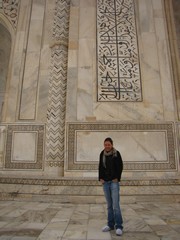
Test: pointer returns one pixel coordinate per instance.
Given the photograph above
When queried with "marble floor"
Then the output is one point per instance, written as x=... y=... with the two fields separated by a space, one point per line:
x=20 y=220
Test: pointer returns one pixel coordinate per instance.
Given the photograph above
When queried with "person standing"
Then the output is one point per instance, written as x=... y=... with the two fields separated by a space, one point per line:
x=110 y=170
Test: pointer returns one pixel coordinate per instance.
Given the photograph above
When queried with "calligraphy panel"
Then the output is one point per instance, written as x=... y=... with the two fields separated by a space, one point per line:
x=118 y=65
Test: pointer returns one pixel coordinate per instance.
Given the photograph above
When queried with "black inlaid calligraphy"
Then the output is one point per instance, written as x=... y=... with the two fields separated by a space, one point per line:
x=117 y=52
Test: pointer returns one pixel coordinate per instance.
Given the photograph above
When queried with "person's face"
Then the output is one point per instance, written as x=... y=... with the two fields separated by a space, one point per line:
x=108 y=146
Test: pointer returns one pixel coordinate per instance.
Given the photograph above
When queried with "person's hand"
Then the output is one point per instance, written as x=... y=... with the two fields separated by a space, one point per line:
x=115 y=180
x=102 y=181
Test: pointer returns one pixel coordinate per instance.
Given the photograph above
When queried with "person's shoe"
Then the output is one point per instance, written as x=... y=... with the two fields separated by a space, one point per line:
x=106 y=229
x=118 y=232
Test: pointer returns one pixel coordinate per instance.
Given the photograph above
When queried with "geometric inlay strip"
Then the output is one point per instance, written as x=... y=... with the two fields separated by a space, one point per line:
x=57 y=86
x=166 y=128
x=117 y=52
x=86 y=182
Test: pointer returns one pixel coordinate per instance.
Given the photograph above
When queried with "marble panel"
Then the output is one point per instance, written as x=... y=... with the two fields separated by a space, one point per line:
x=74 y=23
x=17 y=60
x=42 y=97
x=150 y=70
x=38 y=9
x=19 y=44
x=2 y=144
x=35 y=32
x=88 y=3
x=150 y=145
x=71 y=108
x=28 y=98
x=73 y=59
x=24 y=146
x=23 y=17
x=32 y=62
x=85 y=56
x=87 y=26
x=147 y=146
x=48 y=23
x=145 y=16
x=166 y=84
x=85 y=108
x=157 y=5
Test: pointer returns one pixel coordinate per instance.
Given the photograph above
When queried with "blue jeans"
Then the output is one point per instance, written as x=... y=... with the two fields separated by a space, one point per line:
x=111 y=192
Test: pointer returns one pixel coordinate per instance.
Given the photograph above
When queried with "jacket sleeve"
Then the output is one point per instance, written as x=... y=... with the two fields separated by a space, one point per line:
x=119 y=165
x=100 y=175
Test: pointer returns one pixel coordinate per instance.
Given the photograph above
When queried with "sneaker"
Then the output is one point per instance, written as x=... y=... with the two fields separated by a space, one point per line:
x=118 y=232
x=106 y=229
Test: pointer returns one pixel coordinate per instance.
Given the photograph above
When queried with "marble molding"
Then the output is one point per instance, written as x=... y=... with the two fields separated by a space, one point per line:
x=88 y=182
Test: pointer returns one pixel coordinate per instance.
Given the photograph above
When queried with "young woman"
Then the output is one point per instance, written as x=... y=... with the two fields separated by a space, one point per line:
x=110 y=170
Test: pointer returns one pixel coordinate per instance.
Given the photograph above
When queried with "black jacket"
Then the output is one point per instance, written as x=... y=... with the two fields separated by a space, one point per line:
x=115 y=167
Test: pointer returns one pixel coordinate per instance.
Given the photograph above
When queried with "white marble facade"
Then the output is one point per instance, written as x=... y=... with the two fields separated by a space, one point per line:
x=147 y=151
x=158 y=104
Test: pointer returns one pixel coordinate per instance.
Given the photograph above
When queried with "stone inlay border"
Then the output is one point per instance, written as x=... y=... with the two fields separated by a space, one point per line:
x=117 y=52
x=39 y=129
x=86 y=182
x=167 y=128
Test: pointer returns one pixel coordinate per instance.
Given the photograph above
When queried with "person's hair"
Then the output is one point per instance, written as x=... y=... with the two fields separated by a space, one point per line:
x=108 y=139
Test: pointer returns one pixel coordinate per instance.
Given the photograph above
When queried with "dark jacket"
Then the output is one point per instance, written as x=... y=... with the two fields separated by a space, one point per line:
x=113 y=169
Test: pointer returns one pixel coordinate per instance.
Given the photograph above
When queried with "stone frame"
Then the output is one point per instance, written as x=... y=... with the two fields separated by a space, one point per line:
x=39 y=129
x=167 y=127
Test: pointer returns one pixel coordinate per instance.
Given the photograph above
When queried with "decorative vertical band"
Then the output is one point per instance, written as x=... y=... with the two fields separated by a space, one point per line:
x=58 y=83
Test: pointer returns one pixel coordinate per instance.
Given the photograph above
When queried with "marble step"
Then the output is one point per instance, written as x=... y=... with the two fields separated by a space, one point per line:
x=85 y=190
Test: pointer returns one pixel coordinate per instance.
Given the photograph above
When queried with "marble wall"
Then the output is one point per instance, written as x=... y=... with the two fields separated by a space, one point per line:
x=157 y=105
x=51 y=132
x=5 y=49
x=155 y=67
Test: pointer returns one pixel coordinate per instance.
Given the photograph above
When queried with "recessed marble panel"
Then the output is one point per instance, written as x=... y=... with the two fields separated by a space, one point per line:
x=32 y=62
x=2 y=144
x=150 y=146
x=24 y=146
x=144 y=145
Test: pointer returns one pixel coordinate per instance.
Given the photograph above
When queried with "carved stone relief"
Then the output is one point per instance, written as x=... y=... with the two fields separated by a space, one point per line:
x=9 y=8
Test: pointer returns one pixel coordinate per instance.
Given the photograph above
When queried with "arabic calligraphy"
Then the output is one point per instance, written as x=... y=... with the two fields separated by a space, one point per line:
x=117 y=52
